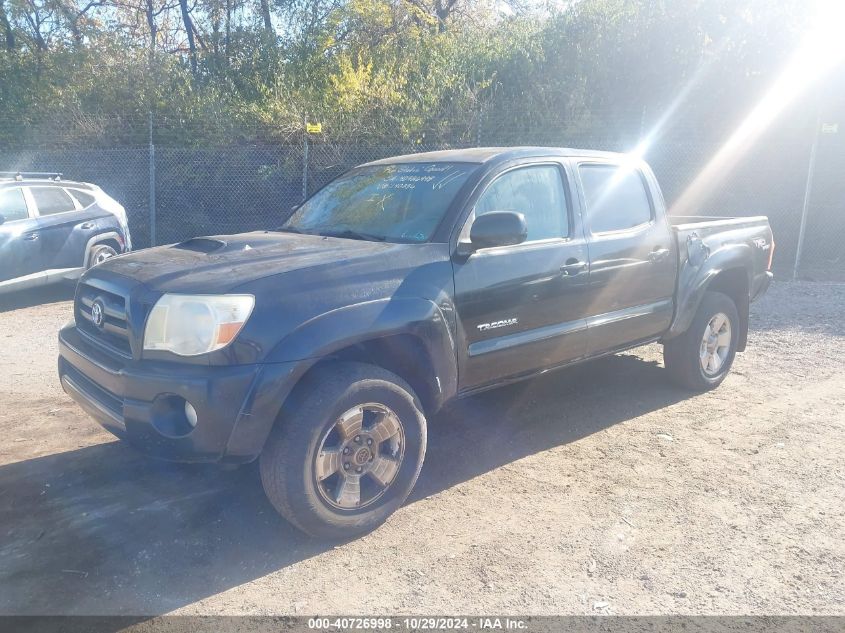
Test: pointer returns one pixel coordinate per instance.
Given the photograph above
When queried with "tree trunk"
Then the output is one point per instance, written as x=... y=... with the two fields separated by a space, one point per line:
x=442 y=10
x=151 y=24
x=265 y=15
x=189 y=29
x=228 y=29
x=9 y=34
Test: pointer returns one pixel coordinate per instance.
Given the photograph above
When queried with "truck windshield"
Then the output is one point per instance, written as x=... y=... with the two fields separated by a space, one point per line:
x=395 y=203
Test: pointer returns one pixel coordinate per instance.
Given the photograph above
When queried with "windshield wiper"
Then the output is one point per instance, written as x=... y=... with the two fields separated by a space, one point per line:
x=343 y=233
x=355 y=235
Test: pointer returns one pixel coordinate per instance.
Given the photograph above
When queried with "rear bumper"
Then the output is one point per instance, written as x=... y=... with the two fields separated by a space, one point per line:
x=142 y=402
x=763 y=285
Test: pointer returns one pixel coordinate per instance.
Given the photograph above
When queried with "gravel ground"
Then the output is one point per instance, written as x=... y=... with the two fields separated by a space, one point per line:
x=596 y=490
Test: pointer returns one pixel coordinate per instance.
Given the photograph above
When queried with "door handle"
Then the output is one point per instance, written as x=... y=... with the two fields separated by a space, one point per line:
x=658 y=255
x=87 y=225
x=30 y=237
x=573 y=267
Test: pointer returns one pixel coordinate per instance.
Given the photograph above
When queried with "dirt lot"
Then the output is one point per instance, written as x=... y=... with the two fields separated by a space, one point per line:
x=600 y=489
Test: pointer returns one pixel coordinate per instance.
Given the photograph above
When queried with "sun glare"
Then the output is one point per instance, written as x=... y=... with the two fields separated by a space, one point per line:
x=821 y=52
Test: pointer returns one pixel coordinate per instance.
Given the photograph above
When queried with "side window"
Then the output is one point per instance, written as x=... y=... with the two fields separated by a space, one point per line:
x=12 y=204
x=50 y=200
x=537 y=192
x=84 y=198
x=616 y=197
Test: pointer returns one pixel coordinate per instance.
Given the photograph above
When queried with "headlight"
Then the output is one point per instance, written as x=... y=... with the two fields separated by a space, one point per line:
x=190 y=325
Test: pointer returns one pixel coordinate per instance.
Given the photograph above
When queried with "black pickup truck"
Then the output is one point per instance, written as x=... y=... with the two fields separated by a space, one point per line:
x=322 y=346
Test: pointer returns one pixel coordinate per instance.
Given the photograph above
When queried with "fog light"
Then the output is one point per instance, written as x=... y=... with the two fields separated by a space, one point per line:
x=190 y=413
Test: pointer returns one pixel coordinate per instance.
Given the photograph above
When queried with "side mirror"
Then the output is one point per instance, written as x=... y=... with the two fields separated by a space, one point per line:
x=498 y=228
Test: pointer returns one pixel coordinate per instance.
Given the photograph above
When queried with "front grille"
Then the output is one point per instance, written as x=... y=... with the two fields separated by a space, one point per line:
x=113 y=330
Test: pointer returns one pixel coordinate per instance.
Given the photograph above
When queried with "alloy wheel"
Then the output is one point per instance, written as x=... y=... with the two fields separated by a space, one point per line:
x=359 y=456
x=715 y=344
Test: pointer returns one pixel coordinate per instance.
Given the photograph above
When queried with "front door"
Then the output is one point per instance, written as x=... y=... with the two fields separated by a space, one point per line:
x=521 y=308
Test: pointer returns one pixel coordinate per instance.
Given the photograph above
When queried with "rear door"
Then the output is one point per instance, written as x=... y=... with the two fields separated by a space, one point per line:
x=632 y=267
x=19 y=248
x=521 y=308
x=64 y=229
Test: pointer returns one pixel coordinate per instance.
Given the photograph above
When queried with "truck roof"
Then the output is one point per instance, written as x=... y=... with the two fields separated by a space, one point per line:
x=489 y=154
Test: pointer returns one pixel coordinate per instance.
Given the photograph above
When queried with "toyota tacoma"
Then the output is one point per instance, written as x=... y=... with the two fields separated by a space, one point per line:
x=321 y=347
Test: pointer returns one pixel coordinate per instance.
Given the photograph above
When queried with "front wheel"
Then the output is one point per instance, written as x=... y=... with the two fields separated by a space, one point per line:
x=347 y=453
x=701 y=357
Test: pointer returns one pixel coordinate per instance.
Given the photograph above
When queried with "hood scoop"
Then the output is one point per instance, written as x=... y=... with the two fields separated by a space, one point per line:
x=201 y=245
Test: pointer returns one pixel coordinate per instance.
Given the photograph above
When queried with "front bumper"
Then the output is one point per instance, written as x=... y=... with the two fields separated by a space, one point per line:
x=236 y=405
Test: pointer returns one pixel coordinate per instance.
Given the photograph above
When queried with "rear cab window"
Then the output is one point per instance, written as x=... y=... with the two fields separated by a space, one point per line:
x=13 y=204
x=615 y=196
x=52 y=200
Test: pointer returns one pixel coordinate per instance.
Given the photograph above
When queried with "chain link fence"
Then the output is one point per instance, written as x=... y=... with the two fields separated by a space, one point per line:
x=173 y=193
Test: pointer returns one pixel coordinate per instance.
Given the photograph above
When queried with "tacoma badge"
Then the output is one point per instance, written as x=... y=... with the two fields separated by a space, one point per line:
x=483 y=327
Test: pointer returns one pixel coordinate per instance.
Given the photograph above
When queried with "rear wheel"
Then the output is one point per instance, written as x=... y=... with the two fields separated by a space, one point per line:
x=348 y=452
x=99 y=254
x=701 y=357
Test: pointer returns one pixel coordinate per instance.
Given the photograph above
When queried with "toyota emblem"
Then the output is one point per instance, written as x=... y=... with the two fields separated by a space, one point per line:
x=98 y=313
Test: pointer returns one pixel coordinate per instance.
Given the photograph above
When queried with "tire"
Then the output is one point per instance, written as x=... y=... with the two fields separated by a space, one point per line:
x=312 y=434
x=99 y=254
x=684 y=355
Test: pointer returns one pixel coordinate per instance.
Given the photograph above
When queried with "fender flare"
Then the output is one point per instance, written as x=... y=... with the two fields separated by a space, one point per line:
x=332 y=331
x=693 y=282
x=328 y=333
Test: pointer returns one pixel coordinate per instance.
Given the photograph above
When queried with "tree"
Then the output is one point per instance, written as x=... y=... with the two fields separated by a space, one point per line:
x=384 y=70
x=190 y=30
x=265 y=16
x=8 y=32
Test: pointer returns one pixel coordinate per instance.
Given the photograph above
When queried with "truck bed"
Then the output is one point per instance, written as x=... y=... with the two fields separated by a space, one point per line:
x=701 y=222
x=709 y=245
x=715 y=233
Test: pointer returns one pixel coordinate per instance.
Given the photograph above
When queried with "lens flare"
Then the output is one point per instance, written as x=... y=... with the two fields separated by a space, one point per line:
x=821 y=52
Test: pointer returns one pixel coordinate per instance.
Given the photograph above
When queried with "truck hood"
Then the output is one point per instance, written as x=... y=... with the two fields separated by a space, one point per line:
x=222 y=263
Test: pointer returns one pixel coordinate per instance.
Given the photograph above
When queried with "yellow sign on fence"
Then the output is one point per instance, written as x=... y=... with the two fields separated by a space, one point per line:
x=313 y=128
